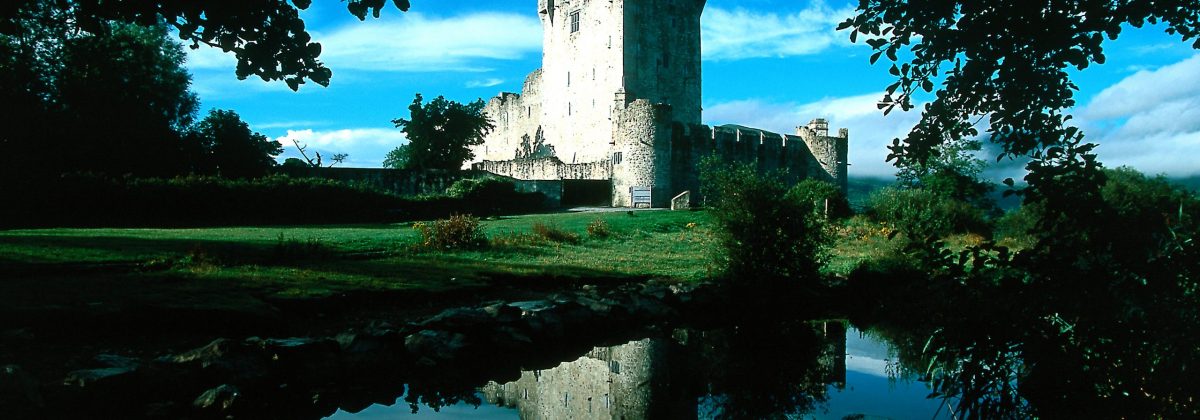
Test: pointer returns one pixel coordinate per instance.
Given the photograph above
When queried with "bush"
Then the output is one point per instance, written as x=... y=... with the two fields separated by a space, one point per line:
x=766 y=238
x=817 y=194
x=922 y=214
x=599 y=229
x=457 y=232
x=554 y=233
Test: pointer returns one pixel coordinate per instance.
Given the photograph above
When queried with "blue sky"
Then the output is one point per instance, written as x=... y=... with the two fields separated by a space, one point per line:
x=768 y=64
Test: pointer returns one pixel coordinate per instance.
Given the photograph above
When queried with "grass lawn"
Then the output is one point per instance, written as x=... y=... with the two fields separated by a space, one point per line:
x=241 y=268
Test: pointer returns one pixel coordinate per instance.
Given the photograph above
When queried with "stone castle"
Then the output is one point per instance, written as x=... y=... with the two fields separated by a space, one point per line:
x=616 y=105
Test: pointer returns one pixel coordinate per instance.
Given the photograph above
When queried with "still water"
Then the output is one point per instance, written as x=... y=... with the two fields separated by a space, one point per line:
x=821 y=370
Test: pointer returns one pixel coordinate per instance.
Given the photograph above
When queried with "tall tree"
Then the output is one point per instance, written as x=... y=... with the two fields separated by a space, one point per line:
x=125 y=101
x=441 y=133
x=231 y=149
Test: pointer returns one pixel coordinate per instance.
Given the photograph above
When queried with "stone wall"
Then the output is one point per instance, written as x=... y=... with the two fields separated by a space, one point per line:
x=641 y=154
x=546 y=169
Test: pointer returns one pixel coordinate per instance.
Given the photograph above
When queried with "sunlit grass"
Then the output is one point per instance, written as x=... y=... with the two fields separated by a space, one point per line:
x=237 y=267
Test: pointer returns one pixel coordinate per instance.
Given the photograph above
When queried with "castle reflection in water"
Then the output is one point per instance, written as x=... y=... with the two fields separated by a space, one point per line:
x=691 y=374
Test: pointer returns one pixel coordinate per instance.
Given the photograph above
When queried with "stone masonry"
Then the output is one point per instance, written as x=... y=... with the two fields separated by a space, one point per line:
x=618 y=97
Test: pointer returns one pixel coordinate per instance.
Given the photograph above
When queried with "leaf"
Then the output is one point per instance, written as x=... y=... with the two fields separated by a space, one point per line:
x=302 y=4
x=854 y=37
x=875 y=56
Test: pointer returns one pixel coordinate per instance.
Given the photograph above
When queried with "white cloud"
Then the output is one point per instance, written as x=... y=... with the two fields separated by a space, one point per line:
x=1149 y=120
x=417 y=43
x=287 y=124
x=206 y=57
x=366 y=146
x=870 y=131
x=740 y=33
x=484 y=83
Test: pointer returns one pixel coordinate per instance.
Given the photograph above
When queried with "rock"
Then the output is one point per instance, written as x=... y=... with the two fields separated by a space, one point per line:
x=532 y=306
x=112 y=360
x=430 y=346
x=18 y=387
x=226 y=358
x=104 y=377
x=220 y=398
x=458 y=319
x=502 y=313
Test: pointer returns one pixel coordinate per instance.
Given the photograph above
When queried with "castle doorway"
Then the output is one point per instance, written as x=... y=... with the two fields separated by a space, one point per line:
x=586 y=192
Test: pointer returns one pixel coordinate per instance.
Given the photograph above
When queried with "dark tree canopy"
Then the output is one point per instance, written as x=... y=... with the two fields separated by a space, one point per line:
x=112 y=103
x=441 y=133
x=228 y=147
x=268 y=36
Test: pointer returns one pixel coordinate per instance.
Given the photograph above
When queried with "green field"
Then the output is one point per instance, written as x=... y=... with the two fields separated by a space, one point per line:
x=238 y=268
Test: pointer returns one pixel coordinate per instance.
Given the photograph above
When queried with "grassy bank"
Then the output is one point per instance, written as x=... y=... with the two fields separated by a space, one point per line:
x=245 y=268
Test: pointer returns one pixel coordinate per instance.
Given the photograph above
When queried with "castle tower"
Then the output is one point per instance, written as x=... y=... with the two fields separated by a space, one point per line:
x=831 y=152
x=593 y=49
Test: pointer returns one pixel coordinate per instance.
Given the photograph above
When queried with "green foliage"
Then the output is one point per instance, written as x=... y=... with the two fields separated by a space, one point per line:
x=457 y=232
x=442 y=132
x=923 y=214
x=228 y=147
x=114 y=101
x=294 y=163
x=397 y=158
x=767 y=239
x=825 y=198
x=293 y=250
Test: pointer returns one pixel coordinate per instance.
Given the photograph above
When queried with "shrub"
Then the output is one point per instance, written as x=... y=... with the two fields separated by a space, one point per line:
x=457 y=232
x=599 y=229
x=766 y=239
x=554 y=233
x=819 y=194
x=924 y=214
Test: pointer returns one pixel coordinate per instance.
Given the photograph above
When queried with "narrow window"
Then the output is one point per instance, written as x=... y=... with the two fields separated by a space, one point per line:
x=575 y=21
x=616 y=160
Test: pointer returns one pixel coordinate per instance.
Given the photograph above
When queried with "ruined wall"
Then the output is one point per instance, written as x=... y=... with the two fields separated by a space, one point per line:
x=514 y=116
x=546 y=169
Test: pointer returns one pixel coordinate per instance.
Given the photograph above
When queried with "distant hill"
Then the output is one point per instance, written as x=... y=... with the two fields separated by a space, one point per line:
x=1191 y=183
x=859 y=188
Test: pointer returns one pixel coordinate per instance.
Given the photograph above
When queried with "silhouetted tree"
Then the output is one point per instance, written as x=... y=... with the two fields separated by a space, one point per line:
x=268 y=36
x=231 y=149
x=441 y=133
